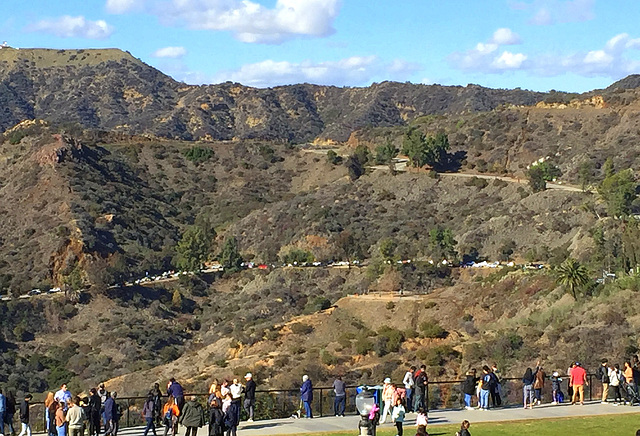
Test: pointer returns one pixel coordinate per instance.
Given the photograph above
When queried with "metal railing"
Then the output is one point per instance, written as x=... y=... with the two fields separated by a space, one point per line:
x=283 y=403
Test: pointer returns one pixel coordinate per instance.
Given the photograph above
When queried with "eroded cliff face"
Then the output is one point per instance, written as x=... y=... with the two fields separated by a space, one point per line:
x=596 y=102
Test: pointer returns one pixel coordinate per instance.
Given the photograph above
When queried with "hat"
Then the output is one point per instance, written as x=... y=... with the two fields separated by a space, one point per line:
x=387 y=380
x=577 y=363
x=556 y=374
x=248 y=375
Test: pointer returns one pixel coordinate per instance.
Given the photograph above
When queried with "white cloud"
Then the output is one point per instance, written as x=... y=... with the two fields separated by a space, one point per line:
x=547 y=12
x=123 y=6
x=170 y=52
x=509 y=61
x=250 y=21
x=485 y=58
x=613 y=60
x=353 y=71
x=73 y=27
x=505 y=36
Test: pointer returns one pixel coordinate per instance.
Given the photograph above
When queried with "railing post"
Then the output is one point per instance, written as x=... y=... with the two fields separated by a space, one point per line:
x=128 y=409
x=320 y=402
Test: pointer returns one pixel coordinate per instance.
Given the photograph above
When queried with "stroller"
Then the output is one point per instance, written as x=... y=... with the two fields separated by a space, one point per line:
x=631 y=393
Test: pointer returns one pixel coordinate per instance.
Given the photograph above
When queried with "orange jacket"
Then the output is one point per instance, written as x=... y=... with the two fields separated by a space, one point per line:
x=174 y=409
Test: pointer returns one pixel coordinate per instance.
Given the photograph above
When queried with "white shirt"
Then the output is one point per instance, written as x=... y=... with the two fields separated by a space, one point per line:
x=408 y=380
x=236 y=391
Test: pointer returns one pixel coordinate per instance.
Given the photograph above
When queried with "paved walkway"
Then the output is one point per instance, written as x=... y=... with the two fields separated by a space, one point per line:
x=350 y=423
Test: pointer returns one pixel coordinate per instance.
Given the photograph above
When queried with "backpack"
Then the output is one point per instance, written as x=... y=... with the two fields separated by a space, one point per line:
x=560 y=397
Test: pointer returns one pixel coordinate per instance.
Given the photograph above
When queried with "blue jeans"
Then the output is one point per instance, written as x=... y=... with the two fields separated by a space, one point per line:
x=307 y=409
x=528 y=394
x=339 y=404
x=62 y=430
x=467 y=400
x=2 y=421
x=484 y=398
x=409 y=399
x=149 y=426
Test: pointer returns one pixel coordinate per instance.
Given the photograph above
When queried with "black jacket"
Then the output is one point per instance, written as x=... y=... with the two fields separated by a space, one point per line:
x=250 y=390
x=469 y=385
x=216 y=422
x=95 y=405
x=603 y=374
x=24 y=412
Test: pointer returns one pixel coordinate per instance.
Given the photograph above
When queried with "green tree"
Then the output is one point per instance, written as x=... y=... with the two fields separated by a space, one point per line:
x=585 y=174
x=176 y=300
x=198 y=155
x=297 y=256
x=388 y=249
x=608 y=168
x=333 y=158
x=386 y=152
x=414 y=145
x=347 y=246
x=572 y=275
x=230 y=257
x=437 y=150
x=442 y=243
x=619 y=191
x=193 y=249
x=536 y=178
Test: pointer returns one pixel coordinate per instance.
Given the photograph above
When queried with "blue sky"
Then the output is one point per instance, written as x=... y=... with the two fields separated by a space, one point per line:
x=568 y=45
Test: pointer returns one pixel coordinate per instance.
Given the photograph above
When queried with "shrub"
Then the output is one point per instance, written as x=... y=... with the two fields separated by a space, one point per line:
x=301 y=329
x=363 y=346
x=327 y=358
x=197 y=154
x=390 y=305
x=316 y=304
x=394 y=337
x=438 y=355
x=431 y=329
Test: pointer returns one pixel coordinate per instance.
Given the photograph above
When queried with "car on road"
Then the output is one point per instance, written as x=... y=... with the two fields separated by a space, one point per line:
x=35 y=292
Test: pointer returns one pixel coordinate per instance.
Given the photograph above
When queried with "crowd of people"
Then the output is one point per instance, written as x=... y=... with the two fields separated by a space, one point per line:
x=99 y=412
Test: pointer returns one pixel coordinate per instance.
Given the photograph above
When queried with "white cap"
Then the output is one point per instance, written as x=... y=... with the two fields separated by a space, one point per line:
x=387 y=380
x=248 y=375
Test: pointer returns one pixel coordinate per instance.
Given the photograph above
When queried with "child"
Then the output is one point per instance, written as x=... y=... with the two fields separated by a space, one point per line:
x=556 y=380
x=422 y=431
x=421 y=418
x=397 y=415
x=464 y=429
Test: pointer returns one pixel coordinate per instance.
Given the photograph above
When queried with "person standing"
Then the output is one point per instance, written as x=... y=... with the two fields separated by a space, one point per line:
x=63 y=395
x=603 y=375
x=496 y=387
x=112 y=415
x=103 y=394
x=340 y=401
x=578 y=380
x=75 y=417
x=50 y=413
x=175 y=390
x=388 y=392
x=61 y=428
x=216 y=417
x=555 y=387
x=397 y=415
x=9 y=413
x=538 y=385
x=485 y=388
x=408 y=387
x=469 y=389
x=306 y=395
x=95 y=406
x=231 y=418
x=170 y=413
x=249 y=396
x=420 y=381
x=615 y=378
x=148 y=413
x=464 y=428
x=629 y=376
x=156 y=393
x=192 y=416
x=570 y=386
x=24 y=415
x=527 y=388
x=3 y=410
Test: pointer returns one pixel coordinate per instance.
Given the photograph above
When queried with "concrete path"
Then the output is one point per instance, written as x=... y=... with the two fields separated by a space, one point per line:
x=350 y=423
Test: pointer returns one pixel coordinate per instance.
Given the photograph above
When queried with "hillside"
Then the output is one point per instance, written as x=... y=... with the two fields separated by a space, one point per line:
x=112 y=90
x=111 y=171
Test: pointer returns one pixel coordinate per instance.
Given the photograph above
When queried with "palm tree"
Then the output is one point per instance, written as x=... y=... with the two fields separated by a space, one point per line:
x=572 y=275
